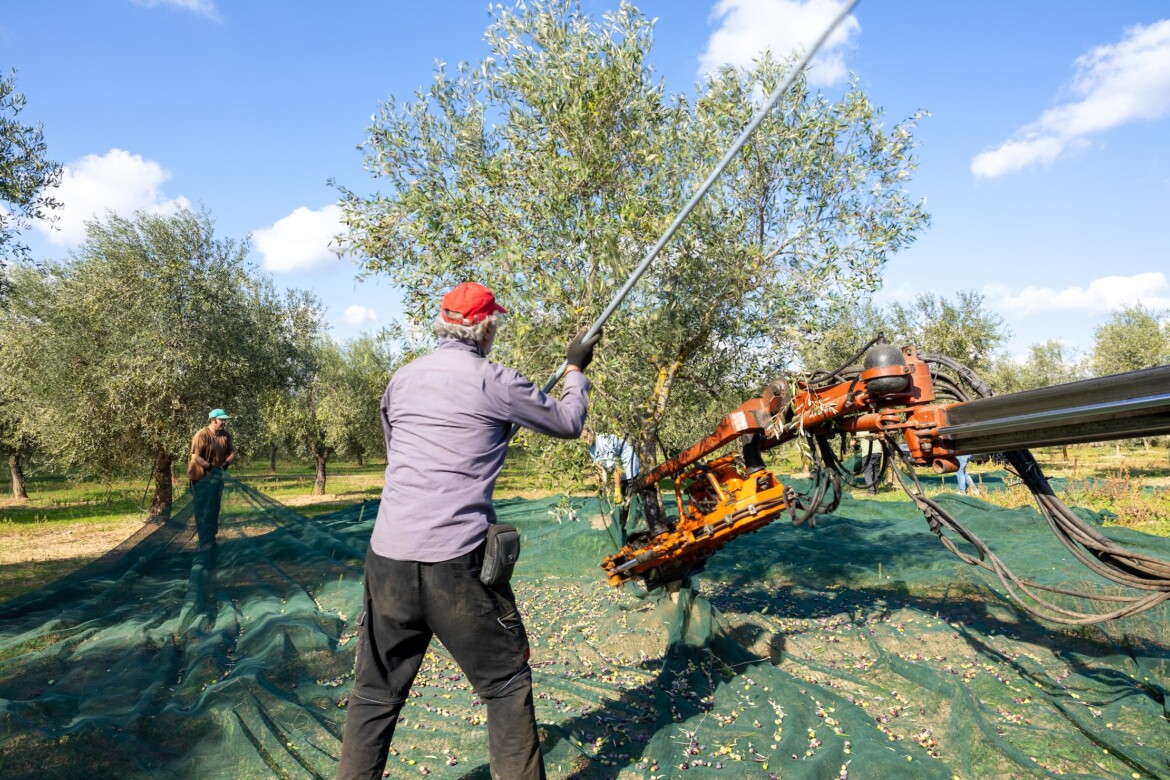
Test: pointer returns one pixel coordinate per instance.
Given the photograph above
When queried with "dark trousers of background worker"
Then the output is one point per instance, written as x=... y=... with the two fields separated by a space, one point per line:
x=207 y=494
x=406 y=603
x=872 y=468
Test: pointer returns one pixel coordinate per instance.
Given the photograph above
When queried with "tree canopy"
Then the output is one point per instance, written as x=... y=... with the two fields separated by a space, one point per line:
x=151 y=323
x=840 y=334
x=1048 y=363
x=336 y=408
x=549 y=169
x=26 y=176
x=1131 y=339
x=961 y=328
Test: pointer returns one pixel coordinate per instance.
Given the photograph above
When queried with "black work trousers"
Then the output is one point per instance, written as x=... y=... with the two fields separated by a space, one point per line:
x=406 y=603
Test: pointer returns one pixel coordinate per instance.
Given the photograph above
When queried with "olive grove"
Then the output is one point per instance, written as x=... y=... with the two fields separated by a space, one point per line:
x=121 y=351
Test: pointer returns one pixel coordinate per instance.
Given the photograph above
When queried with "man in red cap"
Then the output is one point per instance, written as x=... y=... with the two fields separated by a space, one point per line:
x=447 y=418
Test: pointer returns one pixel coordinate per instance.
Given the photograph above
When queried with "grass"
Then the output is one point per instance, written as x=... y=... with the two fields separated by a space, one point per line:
x=70 y=522
x=67 y=523
x=292 y=484
x=64 y=525
x=1131 y=486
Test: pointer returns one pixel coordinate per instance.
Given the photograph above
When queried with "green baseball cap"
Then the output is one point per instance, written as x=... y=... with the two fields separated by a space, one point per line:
x=218 y=414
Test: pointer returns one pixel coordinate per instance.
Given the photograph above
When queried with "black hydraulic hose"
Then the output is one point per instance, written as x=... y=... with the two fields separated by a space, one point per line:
x=826 y=479
x=973 y=380
x=1093 y=549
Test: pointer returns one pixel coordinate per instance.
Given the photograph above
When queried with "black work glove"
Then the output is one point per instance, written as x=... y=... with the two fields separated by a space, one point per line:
x=581 y=352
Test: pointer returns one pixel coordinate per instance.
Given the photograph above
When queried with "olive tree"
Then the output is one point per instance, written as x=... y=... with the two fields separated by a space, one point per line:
x=297 y=418
x=962 y=329
x=17 y=441
x=18 y=402
x=367 y=363
x=151 y=323
x=1048 y=363
x=549 y=169
x=1131 y=339
x=335 y=409
x=27 y=177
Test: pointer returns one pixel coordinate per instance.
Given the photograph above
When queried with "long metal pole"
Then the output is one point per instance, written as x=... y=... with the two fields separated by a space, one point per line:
x=742 y=139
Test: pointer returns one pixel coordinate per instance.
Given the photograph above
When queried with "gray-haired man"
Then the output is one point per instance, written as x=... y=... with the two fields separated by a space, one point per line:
x=446 y=418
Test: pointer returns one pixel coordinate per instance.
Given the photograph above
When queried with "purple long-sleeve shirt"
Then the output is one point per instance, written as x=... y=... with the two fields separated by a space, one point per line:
x=446 y=418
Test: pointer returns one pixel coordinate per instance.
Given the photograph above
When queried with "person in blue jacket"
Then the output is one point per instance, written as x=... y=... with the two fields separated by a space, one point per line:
x=964 y=479
x=615 y=456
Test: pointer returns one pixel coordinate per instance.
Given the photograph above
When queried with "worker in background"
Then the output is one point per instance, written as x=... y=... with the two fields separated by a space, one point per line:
x=871 y=464
x=964 y=479
x=211 y=453
x=446 y=418
x=615 y=457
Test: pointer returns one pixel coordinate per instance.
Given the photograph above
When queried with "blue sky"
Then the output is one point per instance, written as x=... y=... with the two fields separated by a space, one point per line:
x=1045 y=162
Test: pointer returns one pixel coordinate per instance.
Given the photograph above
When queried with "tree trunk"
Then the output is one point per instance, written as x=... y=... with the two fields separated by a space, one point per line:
x=359 y=459
x=319 y=481
x=272 y=458
x=656 y=410
x=656 y=407
x=164 y=485
x=19 y=491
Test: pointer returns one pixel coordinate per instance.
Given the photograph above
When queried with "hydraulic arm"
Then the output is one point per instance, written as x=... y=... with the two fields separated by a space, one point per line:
x=922 y=411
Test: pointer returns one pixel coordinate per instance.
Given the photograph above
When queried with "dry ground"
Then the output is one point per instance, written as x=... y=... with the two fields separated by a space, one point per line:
x=76 y=540
x=49 y=550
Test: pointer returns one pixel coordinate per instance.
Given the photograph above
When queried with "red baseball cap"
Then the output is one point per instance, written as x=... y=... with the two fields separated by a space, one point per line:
x=469 y=304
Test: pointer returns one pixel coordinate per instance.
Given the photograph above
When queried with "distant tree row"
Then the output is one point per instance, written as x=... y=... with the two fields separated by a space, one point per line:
x=546 y=171
x=111 y=360
x=1132 y=338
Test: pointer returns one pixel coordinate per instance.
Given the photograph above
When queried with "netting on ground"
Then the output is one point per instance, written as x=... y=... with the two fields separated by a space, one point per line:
x=860 y=648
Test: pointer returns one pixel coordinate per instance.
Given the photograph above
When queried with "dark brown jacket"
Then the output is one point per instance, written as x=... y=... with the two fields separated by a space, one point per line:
x=209 y=451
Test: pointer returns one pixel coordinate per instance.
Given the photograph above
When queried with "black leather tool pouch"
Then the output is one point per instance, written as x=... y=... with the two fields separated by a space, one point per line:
x=500 y=554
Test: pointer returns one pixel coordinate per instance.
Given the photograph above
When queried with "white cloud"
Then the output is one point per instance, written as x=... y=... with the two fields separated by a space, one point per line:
x=1101 y=296
x=202 y=7
x=1116 y=84
x=117 y=181
x=300 y=241
x=747 y=27
x=903 y=293
x=357 y=316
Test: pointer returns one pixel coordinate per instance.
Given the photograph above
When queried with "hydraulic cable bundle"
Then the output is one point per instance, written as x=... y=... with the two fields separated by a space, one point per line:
x=924 y=411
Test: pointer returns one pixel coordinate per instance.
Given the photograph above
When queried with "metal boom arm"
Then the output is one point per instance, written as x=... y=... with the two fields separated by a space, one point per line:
x=918 y=407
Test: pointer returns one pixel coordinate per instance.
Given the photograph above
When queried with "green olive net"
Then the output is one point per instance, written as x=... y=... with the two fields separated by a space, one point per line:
x=860 y=648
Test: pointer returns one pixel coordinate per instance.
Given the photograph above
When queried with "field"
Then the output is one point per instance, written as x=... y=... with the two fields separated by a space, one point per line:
x=861 y=648
x=67 y=523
